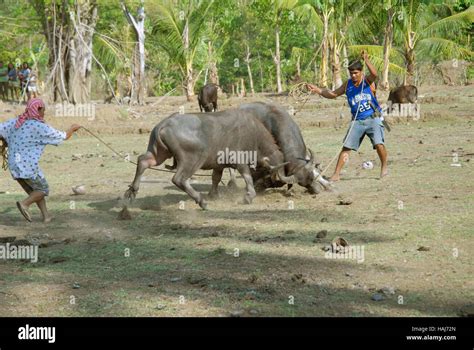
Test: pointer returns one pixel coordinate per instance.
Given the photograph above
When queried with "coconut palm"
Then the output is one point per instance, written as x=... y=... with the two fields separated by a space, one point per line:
x=341 y=23
x=278 y=8
x=424 y=33
x=319 y=12
x=179 y=30
x=113 y=48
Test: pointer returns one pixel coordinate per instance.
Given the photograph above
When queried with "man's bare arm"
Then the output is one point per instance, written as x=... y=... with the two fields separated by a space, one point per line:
x=326 y=92
x=372 y=70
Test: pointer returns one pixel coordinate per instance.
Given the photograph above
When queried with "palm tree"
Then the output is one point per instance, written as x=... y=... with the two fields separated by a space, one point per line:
x=420 y=31
x=385 y=57
x=278 y=8
x=424 y=33
x=179 y=32
x=387 y=43
x=137 y=23
x=114 y=47
x=341 y=23
x=348 y=23
x=319 y=13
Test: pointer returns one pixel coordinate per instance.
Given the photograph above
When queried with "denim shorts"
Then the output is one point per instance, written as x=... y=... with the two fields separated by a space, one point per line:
x=372 y=127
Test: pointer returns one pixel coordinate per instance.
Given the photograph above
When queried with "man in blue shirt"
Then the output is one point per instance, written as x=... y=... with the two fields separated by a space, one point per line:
x=364 y=107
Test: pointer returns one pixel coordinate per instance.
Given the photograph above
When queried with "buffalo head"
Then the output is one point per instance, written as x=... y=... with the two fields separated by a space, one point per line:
x=307 y=175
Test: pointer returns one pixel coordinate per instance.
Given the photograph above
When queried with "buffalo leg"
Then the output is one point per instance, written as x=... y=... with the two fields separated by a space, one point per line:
x=250 y=195
x=216 y=178
x=232 y=184
x=181 y=180
x=144 y=162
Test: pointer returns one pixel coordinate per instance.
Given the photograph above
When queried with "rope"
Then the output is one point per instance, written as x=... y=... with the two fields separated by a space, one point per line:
x=125 y=157
x=299 y=92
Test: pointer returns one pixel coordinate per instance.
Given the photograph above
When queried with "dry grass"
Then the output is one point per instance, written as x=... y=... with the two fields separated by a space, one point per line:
x=256 y=259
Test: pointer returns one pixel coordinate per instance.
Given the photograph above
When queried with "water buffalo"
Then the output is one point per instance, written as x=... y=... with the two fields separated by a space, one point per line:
x=403 y=94
x=196 y=141
x=402 y=102
x=207 y=98
x=302 y=169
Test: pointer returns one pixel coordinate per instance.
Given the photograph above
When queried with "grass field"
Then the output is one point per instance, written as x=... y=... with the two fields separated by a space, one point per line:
x=253 y=260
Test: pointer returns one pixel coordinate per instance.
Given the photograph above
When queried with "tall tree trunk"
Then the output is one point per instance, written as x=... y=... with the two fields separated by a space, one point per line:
x=189 y=77
x=387 y=46
x=138 y=61
x=315 y=49
x=69 y=30
x=213 y=73
x=247 y=61
x=410 y=59
x=261 y=72
x=57 y=33
x=335 y=62
x=298 y=67
x=277 y=60
x=242 y=88
x=323 y=76
x=189 y=83
x=345 y=58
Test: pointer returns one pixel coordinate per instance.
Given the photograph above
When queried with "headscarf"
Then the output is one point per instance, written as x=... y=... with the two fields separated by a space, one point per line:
x=31 y=112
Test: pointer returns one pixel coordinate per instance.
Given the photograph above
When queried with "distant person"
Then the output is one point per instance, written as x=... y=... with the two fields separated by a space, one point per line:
x=32 y=87
x=26 y=137
x=13 y=82
x=3 y=81
x=24 y=76
x=360 y=92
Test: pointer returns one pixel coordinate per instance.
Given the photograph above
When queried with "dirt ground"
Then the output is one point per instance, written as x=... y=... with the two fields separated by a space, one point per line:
x=172 y=259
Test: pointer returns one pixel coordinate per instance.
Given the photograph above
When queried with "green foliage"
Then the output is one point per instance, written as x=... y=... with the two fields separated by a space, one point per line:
x=20 y=35
x=443 y=30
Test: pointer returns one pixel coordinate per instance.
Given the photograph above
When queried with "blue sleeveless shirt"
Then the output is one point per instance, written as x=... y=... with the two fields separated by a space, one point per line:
x=360 y=97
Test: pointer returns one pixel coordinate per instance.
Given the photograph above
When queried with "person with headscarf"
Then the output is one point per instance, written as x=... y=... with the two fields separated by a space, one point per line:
x=26 y=137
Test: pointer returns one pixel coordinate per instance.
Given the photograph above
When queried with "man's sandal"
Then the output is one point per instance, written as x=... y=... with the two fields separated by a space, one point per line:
x=23 y=211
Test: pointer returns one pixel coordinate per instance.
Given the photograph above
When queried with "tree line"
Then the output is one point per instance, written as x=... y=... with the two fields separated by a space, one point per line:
x=138 y=48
